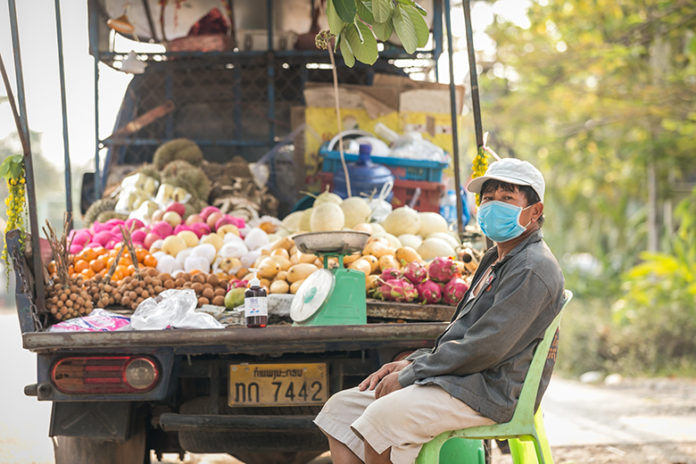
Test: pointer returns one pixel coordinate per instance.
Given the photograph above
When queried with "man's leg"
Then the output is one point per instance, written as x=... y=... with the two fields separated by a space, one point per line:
x=340 y=453
x=373 y=457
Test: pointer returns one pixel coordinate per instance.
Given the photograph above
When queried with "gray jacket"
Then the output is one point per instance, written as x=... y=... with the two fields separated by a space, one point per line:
x=483 y=356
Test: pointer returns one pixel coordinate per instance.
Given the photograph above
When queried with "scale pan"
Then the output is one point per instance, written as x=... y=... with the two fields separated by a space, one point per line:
x=338 y=242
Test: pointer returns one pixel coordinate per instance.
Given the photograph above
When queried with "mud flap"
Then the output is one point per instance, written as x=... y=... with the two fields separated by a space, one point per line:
x=96 y=420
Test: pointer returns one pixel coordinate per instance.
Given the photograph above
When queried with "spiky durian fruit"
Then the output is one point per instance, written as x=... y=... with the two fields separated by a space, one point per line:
x=98 y=207
x=177 y=149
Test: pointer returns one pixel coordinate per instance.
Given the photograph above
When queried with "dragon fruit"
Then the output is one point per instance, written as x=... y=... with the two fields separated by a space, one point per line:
x=399 y=290
x=430 y=292
x=415 y=272
x=442 y=269
x=454 y=290
x=390 y=273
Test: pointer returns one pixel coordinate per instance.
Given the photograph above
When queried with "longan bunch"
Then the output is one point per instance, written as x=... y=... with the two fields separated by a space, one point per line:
x=209 y=288
x=135 y=289
x=66 y=301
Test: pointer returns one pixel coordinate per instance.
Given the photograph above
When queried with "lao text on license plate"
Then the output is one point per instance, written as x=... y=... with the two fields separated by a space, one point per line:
x=277 y=384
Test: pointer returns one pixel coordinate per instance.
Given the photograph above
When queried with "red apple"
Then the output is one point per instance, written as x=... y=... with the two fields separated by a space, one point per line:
x=193 y=219
x=213 y=218
x=150 y=239
x=207 y=211
x=177 y=207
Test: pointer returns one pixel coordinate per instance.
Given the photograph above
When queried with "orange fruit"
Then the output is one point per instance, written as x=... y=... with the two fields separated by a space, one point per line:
x=88 y=254
x=98 y=264
x=87 y=273
x=130 y=270
x=141 y=253
x=149 y=260
x=81 y=265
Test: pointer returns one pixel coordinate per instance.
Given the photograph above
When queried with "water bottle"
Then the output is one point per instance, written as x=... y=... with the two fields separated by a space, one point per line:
x=448 y=207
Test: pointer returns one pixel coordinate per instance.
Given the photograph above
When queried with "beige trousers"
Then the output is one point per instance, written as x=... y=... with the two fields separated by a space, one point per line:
x=404 y=420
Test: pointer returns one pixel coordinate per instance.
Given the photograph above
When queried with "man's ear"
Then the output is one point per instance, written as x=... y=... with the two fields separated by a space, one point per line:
x=537 y=211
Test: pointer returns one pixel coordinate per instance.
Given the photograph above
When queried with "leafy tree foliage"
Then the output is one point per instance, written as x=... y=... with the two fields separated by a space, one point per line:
x=600 y=94
x=596 y=92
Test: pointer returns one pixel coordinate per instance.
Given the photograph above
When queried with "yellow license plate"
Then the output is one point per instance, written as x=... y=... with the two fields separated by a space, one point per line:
x=277 y=384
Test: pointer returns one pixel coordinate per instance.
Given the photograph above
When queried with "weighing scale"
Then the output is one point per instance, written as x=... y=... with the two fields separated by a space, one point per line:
x=331 y=296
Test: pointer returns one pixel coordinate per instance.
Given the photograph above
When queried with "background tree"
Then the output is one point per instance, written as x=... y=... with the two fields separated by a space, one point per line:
x=602 y=96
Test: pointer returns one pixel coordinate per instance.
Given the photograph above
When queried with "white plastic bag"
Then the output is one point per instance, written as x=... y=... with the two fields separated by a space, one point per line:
x=379 y=206
x=172 y=309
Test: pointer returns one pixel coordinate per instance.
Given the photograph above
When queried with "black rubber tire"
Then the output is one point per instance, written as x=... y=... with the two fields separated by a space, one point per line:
x=71 y=450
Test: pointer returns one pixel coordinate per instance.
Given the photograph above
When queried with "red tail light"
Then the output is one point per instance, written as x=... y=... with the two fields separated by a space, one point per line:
x=105 y=374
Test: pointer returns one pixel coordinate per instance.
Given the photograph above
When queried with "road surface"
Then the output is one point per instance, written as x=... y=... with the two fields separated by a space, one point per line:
x=647 y=421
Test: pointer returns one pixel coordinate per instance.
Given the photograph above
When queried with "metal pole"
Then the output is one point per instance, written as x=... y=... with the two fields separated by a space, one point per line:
x=94 y=49
x=453 y=111
x=475 y=103
x=270 y=73
x=28 y=164
x=64 y=108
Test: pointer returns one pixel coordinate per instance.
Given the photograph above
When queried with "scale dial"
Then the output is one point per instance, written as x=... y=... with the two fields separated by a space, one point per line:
x=312 y=295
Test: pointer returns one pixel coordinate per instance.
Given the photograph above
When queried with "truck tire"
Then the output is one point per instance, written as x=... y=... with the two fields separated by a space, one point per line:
x=71 y=450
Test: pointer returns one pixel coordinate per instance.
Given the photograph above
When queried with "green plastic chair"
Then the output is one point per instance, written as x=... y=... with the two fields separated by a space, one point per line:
x=525 y=425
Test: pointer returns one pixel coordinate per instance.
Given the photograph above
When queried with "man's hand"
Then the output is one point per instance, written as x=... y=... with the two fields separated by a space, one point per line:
x=388 y=384
x=373 y=379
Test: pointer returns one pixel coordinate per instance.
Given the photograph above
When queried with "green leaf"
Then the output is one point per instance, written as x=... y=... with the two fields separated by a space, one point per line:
x=420 y=9
x=362 y=42
x=383 y=31
x=346 y=51
x=419 y=24
x=336 y=24
x=12 y=166
x=364 y=11
x=403 y=25
x=382 y=10
x=346 y=9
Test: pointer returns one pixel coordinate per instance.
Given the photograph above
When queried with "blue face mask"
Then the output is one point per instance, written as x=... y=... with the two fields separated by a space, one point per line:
x=500 y=221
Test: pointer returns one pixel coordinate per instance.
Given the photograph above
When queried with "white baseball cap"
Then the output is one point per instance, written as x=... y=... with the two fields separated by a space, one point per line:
x=512 y=171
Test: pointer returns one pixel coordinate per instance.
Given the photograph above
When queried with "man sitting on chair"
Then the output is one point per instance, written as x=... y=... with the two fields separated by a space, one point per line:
x=475 y=371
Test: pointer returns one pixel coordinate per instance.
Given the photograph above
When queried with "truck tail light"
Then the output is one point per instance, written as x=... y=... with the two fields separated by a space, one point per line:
x=105 y=374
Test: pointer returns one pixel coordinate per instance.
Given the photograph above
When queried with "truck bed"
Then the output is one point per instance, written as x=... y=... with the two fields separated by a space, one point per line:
x=273 y=339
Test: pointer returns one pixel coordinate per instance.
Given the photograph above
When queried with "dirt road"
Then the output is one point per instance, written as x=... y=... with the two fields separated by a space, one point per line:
x=636 y=421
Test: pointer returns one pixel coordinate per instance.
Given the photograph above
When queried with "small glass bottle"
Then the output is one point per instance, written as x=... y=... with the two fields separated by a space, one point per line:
x=255 y=305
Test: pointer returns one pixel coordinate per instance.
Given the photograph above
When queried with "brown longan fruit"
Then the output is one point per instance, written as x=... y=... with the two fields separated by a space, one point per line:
x=203 y=301
x=169 y=283
x=208 y=293
x=220 y=292
x=219 y=300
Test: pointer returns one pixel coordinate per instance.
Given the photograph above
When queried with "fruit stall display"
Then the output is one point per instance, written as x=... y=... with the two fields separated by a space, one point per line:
x=167 y=238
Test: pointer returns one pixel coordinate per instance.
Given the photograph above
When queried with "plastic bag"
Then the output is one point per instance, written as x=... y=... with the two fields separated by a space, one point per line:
x=172 y=309
x=99 y=320
x=379 y=206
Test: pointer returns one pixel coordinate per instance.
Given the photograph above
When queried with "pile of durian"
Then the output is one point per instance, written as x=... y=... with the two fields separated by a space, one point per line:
x=180 y=174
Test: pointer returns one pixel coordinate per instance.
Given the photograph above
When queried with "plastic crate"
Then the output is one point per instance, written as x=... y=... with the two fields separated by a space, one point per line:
x=429 y=199
x=403 y=191
x=401 y=168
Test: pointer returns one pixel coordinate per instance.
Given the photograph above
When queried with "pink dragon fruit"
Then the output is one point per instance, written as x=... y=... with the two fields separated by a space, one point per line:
x=415 y=272
x=399 y=290
x=430 y=292
x=454 y=290
x=390 y=273
x=442 y=269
